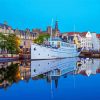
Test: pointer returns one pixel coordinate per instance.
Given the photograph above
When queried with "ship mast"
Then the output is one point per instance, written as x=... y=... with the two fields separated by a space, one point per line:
x=51 y=29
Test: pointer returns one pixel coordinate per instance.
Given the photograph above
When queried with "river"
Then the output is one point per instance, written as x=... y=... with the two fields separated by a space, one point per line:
x=60 y=79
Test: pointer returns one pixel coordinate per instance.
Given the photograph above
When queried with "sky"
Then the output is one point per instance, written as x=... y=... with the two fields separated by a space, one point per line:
x=22 y=14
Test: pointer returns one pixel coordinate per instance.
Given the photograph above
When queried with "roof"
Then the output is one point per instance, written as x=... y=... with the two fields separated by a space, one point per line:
x=83 y=34
x=98 y=36
x=4 y=25
x=72 y=33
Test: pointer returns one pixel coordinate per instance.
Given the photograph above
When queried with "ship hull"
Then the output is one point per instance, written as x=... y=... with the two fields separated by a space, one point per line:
x=39 y=52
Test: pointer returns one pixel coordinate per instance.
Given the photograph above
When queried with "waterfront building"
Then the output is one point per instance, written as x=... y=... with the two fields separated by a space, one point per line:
x=49 y=29
x=98 y=36
x=89 y=41
x=72 y=37
x=26 y=39
x=6 y=29
x=86 y=40
x=55 y=30
x=36 y=32
x=95 y=42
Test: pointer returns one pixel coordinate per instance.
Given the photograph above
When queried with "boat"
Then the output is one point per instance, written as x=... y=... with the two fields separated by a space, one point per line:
x=55 y=50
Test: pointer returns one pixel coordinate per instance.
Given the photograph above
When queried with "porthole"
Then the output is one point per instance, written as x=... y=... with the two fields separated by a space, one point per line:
x=35 y=49
x=34 y=70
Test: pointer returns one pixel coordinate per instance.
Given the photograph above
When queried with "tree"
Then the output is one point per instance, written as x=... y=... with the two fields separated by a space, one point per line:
x=12 y=44
x=3 y=39
x=41 y=38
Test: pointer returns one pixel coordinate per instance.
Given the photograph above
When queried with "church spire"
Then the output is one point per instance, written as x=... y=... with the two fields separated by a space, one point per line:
x=56 y=26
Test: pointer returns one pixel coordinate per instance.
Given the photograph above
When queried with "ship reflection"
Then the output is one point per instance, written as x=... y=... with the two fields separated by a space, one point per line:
x=50 y=70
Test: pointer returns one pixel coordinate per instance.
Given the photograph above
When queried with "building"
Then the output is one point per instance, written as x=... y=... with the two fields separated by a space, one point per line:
x=6 y=29
x=26 y=38
x=95 y=42
x=89 y=41
x=86 y=40
x=98 y=36
x=36 y=32
x=55 y=30
x=72 y=37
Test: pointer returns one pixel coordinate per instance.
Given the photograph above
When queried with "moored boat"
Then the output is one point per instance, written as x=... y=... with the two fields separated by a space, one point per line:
x=55 y=49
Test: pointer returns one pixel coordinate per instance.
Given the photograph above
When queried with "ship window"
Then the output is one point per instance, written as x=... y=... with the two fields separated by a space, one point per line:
x=52 y=43
x=34 y=49
x=34 y=70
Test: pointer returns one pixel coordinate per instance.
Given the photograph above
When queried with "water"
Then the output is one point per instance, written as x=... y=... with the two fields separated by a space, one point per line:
x=62 y=79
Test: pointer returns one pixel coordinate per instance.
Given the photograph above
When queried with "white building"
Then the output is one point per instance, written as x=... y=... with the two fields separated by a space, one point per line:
x=95 y=42
x=89 y=41
x=86 y=40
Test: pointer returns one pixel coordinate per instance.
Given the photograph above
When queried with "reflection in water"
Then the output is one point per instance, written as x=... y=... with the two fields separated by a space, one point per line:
x=9 y=74
x=51 y=70
x=88 y=67
x=13 y=72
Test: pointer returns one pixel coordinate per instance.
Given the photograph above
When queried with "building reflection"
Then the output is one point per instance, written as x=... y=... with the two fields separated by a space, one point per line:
x=25 y=70
x=88 y=67
x=50 y=70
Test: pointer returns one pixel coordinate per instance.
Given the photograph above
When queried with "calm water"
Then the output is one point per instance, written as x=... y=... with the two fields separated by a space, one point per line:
x=62 y=79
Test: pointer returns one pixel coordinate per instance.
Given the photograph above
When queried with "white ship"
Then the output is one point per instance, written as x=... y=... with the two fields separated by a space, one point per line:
x=56 y=49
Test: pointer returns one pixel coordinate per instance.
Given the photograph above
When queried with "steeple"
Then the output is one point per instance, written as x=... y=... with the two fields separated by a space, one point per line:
x=56 y=26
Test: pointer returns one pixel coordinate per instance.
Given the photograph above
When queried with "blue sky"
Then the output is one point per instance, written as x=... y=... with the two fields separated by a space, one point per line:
x=85 y=14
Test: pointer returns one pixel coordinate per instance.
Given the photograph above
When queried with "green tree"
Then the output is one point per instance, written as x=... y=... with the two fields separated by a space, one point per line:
x=41 y=38
x=11 y=44
x=3 y=40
